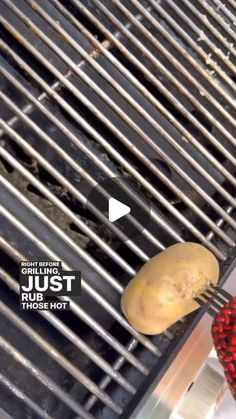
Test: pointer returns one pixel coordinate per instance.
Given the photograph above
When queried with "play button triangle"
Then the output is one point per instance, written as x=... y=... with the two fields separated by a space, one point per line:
x=116 y=210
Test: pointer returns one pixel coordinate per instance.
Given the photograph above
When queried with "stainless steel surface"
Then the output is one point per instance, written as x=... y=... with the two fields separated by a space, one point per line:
x=201 y=400
x=114 y=79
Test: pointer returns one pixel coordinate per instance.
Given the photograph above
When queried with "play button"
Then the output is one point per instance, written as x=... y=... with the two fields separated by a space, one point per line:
x=122 y=203
x=117 y=210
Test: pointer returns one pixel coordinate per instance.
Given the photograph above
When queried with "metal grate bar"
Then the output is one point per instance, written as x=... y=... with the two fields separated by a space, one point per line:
x=72 y=189
x=110 y=339
x=72 y=163
x=49 y=195
x=11 y=251
x=79 y=343
x=223 y=8
x=112 y=372
x=218 y=18
x=202 y=36
x=7 y=247
x=59 y=358
x=200 y=51
x=67 y=332
x=137 y=107
x=25 y=118
x=78 y=168
x=105 y=381
x=188 y=222
x=45 y=15
x=27 y=109
x=165 y=71
x=124 y=94
x=110 y=279
x=232 y=4
x=87 y=288
x=23 y=398
x=33 y=180
x=58 y=29
x=65 y=155
x=43 y=378
x=153 y=133
x=12 y=161
x=204 y=217
x=152 y=79
x=76 y=248
x=182 y=51
x=98 y=45
x=220 y=222
x=219 y=36
x=45 y=163
x=106 y=146
x=109 y=370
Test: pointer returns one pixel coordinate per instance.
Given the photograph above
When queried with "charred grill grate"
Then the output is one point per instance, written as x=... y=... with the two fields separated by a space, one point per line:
x=143 y=89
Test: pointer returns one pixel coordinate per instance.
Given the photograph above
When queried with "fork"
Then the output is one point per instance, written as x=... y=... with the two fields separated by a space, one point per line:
x=214 y=299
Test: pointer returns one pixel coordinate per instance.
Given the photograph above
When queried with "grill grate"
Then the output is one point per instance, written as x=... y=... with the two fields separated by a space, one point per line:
x=90 y=90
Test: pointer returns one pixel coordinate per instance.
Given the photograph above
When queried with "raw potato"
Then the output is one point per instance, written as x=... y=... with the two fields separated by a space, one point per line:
x=162 y=292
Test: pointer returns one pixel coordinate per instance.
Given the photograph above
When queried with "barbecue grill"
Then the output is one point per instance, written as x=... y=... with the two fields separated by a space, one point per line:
x=143 y=90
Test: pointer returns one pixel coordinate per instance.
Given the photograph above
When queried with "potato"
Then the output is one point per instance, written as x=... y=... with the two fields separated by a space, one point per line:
x=162 y=291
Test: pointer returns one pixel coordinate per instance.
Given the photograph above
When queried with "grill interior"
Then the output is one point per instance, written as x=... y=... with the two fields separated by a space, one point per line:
x=89 y=90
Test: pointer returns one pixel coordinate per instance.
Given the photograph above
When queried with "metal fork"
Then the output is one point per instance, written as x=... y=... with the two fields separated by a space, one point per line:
x=214 y=299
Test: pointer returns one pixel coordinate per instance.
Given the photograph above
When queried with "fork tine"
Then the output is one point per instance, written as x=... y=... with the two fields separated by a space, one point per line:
x=221 y=291
x=216 y=299
x=211 y=301
x=203 y=303
x=216 y=296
